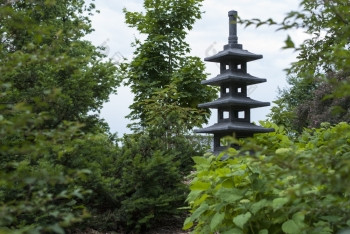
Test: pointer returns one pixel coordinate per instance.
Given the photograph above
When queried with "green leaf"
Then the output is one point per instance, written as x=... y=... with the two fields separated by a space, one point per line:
x=277 y=203
x=216 y=220
x=299 y=219
x=188 y=223
x=290 y=227
x=231 y=198
x=264 y=231
x=258 y=205
x=200 y=200
x=289 y=43
x=282 y=151
x=56 y=229
x=72 y=203
x=242 y=219
x=193 y=195
x=233 y=231
x=229 y=195
x=228 y=183
x=200 y=186
x=200 y=160
x=331 y=218
x=200 y=210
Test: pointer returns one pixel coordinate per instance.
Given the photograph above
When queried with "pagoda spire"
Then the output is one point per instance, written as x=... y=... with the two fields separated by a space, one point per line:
x=232 y=39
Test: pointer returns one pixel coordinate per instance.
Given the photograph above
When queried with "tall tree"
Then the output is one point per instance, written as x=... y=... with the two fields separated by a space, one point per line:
x=43 y=51
x=161 y=59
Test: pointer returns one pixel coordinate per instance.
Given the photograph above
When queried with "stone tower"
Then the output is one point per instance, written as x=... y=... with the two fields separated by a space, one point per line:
x=233 y=105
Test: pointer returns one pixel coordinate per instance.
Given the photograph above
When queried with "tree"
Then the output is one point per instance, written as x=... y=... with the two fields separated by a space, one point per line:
x=322 y=58
x=43 y=52
x=324 y=106
x=307 y=105
x=327 y=48
x=50 y=79
x=161 y=59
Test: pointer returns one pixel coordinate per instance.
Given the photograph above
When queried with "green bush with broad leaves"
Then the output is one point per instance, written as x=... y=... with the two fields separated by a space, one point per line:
x=274 y=184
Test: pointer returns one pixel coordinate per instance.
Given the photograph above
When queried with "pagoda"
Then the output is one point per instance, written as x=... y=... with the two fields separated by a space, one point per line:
x=233 y=105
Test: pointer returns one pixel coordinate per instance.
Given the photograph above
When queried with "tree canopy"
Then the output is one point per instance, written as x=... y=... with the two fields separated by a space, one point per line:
x=161 y=60
x=323 y=63
x=44 y=58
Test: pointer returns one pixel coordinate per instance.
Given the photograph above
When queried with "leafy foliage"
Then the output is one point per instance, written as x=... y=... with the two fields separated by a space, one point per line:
x=36 y=194
x=161 y=60
x=53 y=179
x=327 y=47
x=42 y=51
x=322 y=67
x=50 y=79
x=275 y=185
x=170 y=125
x=144 y=189
x=59 y=170
x=306 y=105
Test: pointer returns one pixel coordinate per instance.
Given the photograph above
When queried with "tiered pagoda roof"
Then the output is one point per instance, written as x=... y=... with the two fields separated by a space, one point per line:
x=233 y=105
x=234 y=101
x=232 y=54
x=232 y=76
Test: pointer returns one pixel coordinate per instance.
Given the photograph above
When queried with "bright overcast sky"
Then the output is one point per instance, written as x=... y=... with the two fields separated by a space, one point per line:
x=207 y=37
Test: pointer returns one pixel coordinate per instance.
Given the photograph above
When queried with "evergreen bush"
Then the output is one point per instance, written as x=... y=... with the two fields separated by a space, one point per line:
x=150 y=188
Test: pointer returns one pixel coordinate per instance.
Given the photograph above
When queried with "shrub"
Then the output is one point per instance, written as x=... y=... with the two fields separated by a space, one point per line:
x=150 y=185
x=134 y=187
x=281 y=186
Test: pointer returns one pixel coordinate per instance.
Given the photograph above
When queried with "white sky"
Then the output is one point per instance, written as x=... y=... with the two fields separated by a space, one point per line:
x=208 y=36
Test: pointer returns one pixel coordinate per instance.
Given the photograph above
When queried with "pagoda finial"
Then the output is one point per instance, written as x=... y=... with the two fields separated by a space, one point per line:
x=232 y=39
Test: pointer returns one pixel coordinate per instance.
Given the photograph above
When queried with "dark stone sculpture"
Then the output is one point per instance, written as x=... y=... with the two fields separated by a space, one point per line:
x=233 y=105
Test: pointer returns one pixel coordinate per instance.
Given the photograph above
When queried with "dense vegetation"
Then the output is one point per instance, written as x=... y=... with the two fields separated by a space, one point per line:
x=62 y=171
x=319 y=79
x=50 y=80
x=275 y=184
